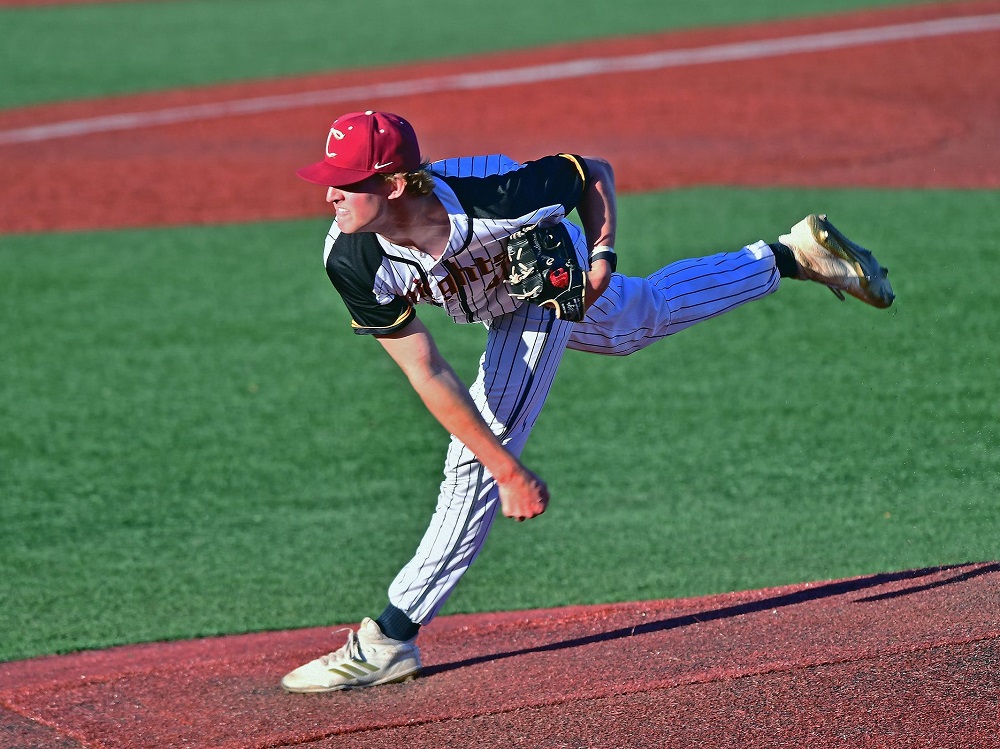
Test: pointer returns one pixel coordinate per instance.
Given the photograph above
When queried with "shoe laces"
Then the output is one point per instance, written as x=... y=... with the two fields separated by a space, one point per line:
x=350 y=650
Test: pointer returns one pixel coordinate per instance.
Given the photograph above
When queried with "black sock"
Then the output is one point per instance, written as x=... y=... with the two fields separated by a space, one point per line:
x=785 y=260
x=397 y=625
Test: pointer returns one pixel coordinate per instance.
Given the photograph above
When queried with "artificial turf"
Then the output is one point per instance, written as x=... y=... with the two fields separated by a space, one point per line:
x=193 y=442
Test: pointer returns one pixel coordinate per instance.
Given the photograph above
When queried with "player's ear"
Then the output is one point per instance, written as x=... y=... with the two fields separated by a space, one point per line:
x=397 y=186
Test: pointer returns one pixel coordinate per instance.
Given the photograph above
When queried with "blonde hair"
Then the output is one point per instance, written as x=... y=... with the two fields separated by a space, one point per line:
x=419 y=182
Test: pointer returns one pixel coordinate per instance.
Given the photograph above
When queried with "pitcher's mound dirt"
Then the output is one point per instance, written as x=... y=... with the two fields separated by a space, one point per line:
x=906 y=659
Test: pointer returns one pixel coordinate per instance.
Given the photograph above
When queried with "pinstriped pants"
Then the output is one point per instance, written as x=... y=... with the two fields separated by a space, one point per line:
x=516 y=372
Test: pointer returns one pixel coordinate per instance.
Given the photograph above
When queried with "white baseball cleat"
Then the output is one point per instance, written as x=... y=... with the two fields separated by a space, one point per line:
x=366 y=659
x=828 y=257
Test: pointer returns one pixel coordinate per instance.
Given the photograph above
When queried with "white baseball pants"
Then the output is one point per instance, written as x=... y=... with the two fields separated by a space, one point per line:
x=516 y=371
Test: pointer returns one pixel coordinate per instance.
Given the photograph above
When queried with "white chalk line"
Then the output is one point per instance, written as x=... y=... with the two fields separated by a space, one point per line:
x=732 y=52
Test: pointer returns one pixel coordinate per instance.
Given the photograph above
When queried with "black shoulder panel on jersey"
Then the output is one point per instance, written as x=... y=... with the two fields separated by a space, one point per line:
x=352 y=264
x=551 y=180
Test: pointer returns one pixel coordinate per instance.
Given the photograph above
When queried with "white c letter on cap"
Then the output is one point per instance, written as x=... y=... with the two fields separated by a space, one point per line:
x=334 y=133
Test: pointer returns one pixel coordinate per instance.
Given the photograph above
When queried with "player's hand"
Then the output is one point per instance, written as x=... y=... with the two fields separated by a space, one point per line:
x=524 y=495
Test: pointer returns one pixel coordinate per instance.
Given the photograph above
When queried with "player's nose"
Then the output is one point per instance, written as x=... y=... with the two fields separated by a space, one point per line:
x=333 y=195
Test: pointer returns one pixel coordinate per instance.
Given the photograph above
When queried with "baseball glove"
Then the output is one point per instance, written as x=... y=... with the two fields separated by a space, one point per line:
x=544 y=270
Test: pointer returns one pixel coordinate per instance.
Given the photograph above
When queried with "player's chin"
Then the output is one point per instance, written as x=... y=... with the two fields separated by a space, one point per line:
x=351 y=227
x=346 y=223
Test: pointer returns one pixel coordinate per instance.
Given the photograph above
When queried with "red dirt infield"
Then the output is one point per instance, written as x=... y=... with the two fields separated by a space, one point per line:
x=904 y=659
x=907 y=659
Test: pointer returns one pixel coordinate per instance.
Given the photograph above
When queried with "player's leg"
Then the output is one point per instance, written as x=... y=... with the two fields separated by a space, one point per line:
x=635 y=312
x=516 y=372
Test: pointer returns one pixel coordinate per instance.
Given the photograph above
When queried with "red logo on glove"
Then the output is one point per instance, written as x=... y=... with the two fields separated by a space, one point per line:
x=559 y=278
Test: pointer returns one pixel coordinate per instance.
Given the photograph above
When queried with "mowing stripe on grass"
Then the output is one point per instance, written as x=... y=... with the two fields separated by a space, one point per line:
x=513 y=76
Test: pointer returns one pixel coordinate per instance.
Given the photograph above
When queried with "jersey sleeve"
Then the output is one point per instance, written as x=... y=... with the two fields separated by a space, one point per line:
x=352 y=265
x=551 y=180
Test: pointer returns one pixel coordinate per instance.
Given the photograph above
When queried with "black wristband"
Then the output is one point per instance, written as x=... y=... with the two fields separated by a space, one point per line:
x=605 y=254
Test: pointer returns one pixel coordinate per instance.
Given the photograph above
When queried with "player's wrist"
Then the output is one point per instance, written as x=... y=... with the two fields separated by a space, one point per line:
x=505 y=467
x=605 y=253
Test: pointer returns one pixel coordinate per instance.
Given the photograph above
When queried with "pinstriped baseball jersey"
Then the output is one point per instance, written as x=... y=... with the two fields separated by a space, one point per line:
x=487 y=199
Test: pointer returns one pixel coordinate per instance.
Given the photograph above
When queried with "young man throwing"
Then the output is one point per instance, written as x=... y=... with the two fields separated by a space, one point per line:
x=407 y=232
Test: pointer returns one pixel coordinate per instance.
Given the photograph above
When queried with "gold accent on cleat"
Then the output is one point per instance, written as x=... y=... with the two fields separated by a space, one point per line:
x=827 y=256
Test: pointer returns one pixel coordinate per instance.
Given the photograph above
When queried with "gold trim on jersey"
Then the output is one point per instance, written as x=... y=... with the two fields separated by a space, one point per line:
x=403 y=318
x=577 y=164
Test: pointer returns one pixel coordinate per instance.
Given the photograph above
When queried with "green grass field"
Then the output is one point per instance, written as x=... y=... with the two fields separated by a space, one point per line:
x=192 y=442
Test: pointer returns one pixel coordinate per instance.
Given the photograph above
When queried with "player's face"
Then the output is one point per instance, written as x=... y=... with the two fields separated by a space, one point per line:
x=360 y=206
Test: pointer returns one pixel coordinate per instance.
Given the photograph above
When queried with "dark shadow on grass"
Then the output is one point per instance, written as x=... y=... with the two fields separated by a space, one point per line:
x=827 y=590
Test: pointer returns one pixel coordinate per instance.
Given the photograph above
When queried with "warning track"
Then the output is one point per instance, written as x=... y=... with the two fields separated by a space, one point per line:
x=792 y=103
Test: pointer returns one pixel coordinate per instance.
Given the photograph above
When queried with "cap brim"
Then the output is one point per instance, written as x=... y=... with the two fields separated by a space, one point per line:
x=322 y=173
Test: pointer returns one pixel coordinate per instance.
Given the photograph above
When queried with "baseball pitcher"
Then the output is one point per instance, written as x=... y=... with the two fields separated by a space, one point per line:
x=487 y=240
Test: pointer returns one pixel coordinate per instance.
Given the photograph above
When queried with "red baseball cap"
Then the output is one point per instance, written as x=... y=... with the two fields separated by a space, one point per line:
x=361 y=144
